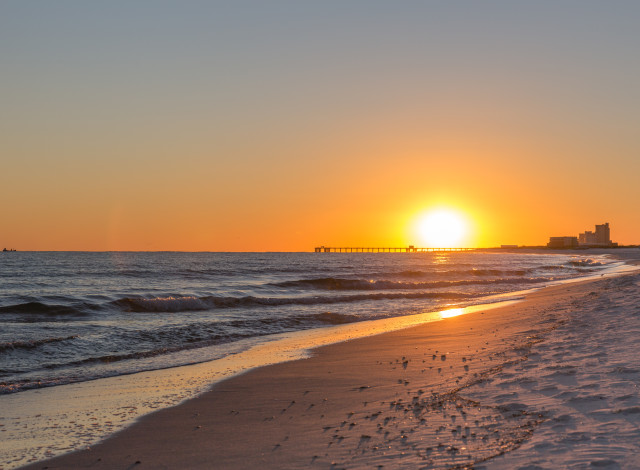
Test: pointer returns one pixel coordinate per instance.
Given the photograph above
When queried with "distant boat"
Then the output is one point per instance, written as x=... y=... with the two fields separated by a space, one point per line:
x=9 y=250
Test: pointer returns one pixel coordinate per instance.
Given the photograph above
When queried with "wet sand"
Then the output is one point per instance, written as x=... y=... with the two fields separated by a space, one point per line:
x=405 y=399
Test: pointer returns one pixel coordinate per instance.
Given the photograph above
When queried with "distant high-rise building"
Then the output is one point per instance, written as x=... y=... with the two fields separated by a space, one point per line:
x=601 y=237
x=587 y=238
x=603 y=234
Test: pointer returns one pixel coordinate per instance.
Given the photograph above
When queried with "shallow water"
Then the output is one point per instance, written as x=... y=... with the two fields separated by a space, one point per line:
x=71 y=317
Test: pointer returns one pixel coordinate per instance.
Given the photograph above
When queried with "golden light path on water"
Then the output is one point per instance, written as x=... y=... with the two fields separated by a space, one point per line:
x=454 y=312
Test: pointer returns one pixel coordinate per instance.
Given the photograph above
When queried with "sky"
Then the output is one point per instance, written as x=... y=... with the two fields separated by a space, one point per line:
x=285 y=125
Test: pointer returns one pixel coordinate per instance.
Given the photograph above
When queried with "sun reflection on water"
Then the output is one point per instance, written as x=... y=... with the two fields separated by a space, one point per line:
x=454 y=312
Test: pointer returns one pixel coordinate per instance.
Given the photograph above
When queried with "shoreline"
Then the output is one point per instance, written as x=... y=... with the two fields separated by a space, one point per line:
x=260 y=377
x=104 y=406
x=125 y=399
x=206 y=333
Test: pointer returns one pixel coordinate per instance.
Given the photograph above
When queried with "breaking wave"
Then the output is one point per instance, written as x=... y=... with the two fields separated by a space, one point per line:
x=33 y=343
x=331 y=283
x=585 y=262
x=184 y=304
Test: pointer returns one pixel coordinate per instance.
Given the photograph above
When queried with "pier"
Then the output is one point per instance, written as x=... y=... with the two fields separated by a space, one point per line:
x=406 y=249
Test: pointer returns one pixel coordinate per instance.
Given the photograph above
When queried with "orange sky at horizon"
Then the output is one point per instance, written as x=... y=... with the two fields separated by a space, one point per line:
x=141 y=132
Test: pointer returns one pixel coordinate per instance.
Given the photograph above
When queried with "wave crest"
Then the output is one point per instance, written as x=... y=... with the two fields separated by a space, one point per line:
x=587 y=262
x=33 y=343
x=163 y=304
x=38 y=308
x=330 y=283
x=184 y=304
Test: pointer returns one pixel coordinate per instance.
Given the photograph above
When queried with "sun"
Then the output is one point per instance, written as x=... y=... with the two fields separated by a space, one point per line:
x=443 y=228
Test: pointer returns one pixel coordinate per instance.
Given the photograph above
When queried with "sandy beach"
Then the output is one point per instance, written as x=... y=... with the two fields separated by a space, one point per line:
x=549 y=382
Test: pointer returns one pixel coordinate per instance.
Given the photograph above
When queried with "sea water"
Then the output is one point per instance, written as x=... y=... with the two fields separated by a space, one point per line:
x=73 y=317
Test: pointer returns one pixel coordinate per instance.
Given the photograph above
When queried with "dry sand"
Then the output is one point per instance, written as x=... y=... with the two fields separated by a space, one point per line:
x=440 y=395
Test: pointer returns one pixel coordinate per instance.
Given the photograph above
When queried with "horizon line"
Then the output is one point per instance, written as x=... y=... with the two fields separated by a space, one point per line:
x=311 y=251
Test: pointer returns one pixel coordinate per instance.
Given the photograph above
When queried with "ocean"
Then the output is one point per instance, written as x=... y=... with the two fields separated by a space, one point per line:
x=73 y=316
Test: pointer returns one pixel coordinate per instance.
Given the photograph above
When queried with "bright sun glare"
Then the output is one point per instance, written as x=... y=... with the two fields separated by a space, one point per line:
x=443 y=228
